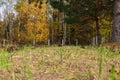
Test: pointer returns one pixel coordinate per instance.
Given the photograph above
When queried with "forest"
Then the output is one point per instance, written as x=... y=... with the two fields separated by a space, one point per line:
x=70 y=21
x=59 y=39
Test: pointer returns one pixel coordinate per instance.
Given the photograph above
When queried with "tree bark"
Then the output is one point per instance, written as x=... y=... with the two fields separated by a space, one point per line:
x=116 y=21
x=98 y=31
x=6 y=31
x=64 y=30
x=69 y=38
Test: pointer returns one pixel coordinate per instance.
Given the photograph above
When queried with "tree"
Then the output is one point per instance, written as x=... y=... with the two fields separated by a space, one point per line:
x=84 y=11
x=116 y=21
x=60 y=5
x=32 y=22
x=8 y=19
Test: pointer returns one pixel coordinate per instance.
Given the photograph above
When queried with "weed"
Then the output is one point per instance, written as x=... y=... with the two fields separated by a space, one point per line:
x=112 y=74
x=100 y=66
x=4 y=62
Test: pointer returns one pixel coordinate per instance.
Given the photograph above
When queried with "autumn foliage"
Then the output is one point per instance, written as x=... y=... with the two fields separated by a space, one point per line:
x=32 y=22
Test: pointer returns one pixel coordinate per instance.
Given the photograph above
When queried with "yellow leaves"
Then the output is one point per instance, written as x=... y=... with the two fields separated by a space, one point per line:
x=34 y=21
x=24 y=8
x=43 y=6
x=42 y=32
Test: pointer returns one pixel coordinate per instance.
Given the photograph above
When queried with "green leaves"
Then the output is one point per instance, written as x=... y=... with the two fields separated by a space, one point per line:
x=58 y=4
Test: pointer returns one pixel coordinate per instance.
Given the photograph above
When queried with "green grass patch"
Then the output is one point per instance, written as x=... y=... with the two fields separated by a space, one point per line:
x=4 y=60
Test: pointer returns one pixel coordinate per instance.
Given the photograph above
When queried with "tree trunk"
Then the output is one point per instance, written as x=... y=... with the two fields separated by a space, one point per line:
x=19 y=32
x=116 y=21
x=98 y=31
x=6 y=32
x=64 y=30
x=51 y=32
x=65 y=33
x=11 y=31
x=69 y=38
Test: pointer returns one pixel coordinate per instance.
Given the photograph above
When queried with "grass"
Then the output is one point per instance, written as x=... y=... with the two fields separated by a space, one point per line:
x=4 y=62
x=113 y=74
x=59 y=63
x=108 y=54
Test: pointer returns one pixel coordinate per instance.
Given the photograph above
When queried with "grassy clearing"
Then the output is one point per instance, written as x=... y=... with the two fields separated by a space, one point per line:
x=59 y=63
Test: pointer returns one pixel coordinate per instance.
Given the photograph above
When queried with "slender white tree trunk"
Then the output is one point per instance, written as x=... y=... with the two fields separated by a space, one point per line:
x=64 y=30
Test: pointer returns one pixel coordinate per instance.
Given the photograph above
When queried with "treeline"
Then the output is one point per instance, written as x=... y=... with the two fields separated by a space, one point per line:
x=57 y=21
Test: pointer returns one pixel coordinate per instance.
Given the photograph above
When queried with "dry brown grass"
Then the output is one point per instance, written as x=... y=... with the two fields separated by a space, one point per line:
x=113 y=46
x=60 y=63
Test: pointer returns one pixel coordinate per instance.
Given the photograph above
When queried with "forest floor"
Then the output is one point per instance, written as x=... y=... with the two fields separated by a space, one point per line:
x=60 y=63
